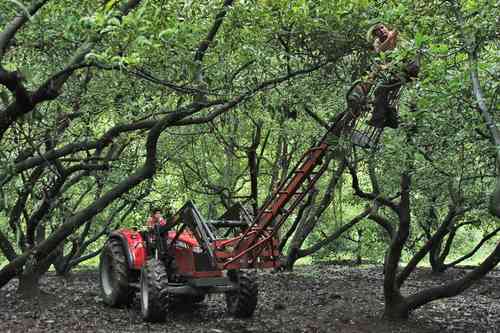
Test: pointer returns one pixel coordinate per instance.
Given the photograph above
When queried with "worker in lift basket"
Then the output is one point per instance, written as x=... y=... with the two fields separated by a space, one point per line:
x=386 y=75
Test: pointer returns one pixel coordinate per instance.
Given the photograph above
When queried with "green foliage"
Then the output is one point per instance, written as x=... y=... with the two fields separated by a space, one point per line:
x=258 y=40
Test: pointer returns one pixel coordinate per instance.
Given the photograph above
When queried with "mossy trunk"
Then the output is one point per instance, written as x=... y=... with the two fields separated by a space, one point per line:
x=396 y=308
x=494 y=206
x=29 y=285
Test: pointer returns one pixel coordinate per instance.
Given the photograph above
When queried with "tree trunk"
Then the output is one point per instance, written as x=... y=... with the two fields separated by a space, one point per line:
x=29 y=280
x=359 y=247
x=290 y=260
x=494 y=205
x=302 y=209
x=437 y=265
x=396 y=307
x=312 y=215
x=29 y=285
x=304 y=227
x=60 y=263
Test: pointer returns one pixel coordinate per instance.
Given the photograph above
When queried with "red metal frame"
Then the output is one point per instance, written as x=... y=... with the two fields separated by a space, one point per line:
x=136 y=247
x=273 y=213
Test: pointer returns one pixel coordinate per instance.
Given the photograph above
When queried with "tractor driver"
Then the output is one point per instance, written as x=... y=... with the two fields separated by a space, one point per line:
x=156 y=219
x=156 y=226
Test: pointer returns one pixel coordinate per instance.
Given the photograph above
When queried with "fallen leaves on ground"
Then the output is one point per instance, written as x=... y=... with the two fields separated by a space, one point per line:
x=311 y=299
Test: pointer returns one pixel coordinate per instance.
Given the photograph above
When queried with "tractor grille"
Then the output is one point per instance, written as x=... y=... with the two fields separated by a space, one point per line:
x=202 y=262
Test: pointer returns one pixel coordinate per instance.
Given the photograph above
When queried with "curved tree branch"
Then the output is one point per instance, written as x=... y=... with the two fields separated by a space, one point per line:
x=316 y=247
x=17 y=23
x=456 y=287
x=476 y=248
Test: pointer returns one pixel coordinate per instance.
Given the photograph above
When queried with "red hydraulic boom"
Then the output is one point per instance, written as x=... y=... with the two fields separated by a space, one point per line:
x=274 y=212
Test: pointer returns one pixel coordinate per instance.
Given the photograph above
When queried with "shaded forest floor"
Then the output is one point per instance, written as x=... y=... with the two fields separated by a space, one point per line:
x=311 y=299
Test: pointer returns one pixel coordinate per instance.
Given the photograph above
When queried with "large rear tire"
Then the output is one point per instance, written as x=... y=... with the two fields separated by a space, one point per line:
x=114 y=275
x=242 y=302
x=154 y=295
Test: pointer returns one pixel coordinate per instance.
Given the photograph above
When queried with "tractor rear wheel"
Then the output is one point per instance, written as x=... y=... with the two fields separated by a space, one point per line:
x=154 y=291
x=242 y=302
x=114 y=275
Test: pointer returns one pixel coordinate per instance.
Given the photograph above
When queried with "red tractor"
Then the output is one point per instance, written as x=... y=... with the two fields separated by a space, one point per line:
x=192 y=257
x=182 y=262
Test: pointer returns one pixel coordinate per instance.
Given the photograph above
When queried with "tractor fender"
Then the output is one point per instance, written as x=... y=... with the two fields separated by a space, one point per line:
x=133 y=247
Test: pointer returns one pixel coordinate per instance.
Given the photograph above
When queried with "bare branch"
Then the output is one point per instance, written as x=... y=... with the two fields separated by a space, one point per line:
x=453 y=212
x=327 y=240
x=455 y=287
x=476 y=248
x=371 y=196
x=204 y=44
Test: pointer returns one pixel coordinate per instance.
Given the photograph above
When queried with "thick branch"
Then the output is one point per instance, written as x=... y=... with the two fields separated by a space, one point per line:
x=72 y=148
x=371 y=196
x=391 y=292
x=444 y=228
x=316 y=247
x=20 y=204
x=17 y=23
x=303 y=207
x=476 y=248
x=384 y=223
x=456 y=287
x=203 y=47
x=7 y=248
x=471 y=47
x=25 y=102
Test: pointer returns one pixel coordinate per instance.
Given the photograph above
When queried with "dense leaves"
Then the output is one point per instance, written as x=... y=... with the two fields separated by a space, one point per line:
x=110 y=108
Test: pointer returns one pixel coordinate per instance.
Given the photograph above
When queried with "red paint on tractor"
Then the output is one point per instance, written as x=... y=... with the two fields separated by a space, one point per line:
x=186 y=237
x=136 y=247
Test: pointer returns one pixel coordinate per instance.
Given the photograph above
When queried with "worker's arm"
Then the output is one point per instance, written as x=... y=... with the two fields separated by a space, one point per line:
x=388 y=44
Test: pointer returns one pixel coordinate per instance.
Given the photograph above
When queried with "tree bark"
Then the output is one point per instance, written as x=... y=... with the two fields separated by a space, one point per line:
x=304 y=227
x=395 y=304
x=455 y=287
x=312 y=217
x=6 y=247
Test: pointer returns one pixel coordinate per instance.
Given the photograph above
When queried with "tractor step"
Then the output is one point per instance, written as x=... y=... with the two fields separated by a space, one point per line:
x=209 y=282
x=198 y=286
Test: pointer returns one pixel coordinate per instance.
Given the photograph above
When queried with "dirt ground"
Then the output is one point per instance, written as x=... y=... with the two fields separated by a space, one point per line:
x=311 y=299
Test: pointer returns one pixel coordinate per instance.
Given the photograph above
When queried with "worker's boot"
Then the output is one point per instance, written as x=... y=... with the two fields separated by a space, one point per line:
x=392 y=120
x=378 y=117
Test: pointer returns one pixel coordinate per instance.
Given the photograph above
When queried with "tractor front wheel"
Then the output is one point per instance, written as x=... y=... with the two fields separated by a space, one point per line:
x=114 y=275
x=154 y=291
x=242 y=302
